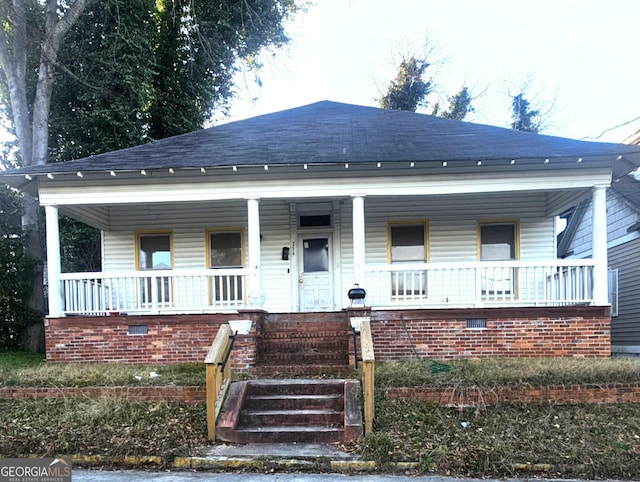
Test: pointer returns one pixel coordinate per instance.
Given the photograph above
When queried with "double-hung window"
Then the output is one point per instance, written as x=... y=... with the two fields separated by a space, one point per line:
x=155 y=253
x=498 y=243
x=226 y=253
x=408 y=246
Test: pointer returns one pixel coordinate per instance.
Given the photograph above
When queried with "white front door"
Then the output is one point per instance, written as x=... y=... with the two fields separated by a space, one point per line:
x=315 y=277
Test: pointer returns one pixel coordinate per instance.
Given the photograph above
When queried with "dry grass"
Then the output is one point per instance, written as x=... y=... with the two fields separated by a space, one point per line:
x=588 y=441
x=27 y=370
x=508 y=372
x=104 y=426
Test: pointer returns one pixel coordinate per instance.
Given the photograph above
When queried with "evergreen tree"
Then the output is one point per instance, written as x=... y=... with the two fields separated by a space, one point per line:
x=410 y=88
x=459 y=105
x=524 y=118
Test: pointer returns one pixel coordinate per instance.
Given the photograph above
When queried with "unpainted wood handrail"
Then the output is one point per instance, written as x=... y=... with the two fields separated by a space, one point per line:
x=368 y=364
x=218 y=376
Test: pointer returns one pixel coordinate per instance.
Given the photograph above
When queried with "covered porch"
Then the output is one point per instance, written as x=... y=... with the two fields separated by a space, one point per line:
x=528 y=281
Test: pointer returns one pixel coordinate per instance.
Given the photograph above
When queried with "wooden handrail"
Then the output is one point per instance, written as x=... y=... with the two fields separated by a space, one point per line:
x=218 y=377
x=368 y=363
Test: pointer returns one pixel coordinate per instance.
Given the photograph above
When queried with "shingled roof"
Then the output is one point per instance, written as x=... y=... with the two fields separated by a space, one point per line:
x=330 y=132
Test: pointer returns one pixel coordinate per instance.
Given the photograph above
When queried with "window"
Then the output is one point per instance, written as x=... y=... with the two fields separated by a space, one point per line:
x=155 y=253
x=613 y=291
x=498 y=242
x=315 y=221
x=408 y=244
x=225 y=249
x=226 y=252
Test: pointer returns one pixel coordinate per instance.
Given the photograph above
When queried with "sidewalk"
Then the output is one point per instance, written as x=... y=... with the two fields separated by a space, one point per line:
x=274 y=462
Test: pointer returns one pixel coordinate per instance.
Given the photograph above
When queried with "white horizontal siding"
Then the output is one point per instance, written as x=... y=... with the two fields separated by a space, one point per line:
x=276 y=273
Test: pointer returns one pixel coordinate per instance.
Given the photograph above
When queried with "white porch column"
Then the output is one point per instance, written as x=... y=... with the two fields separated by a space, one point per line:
x=358 y=239
x=255 y=294
x=53 y=261
x=599 y=236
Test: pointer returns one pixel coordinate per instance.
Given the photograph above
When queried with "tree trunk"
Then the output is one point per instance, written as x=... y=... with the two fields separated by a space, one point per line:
x=33 y=130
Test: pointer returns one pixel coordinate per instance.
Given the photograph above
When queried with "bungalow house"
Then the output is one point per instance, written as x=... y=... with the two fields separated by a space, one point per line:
x=623 y=249
x=448 y=226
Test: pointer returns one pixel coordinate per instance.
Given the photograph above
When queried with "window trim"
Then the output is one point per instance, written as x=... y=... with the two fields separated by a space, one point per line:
x=614 y=291
x=243 y=254
x=408 y=222
x=498 y=222
x=514 y=291
x=154 y=232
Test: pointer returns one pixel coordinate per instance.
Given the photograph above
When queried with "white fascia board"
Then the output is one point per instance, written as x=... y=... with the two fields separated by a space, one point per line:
x=148 y=192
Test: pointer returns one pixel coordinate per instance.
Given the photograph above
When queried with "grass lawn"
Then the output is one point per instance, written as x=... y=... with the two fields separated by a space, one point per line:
x=591 y=441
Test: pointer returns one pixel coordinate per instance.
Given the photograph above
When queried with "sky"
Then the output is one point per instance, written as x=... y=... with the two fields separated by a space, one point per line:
x=575 y=59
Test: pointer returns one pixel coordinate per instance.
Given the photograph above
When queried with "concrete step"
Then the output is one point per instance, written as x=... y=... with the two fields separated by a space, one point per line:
x=294 y=402
x=295 y=387
x=289 y=434
x=291 y=410
x=283 y=417
x=275 y=370
x=304 y=358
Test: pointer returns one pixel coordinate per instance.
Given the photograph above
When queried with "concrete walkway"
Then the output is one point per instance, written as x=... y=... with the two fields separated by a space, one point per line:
x=271 y=463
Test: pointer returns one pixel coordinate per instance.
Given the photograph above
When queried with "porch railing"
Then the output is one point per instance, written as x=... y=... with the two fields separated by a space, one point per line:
x=153 y=291
x=503 y=283
x=419 y=285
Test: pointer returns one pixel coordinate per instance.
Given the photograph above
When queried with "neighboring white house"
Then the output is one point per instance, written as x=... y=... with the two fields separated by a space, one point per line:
x=623 y=244
x=289 y=210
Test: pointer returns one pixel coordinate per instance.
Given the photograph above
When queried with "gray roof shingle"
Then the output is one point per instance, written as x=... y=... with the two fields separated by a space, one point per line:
x=330 y=132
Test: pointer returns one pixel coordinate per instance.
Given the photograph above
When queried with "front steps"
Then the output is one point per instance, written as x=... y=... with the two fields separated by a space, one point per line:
x=287 y=411
x=298 y=344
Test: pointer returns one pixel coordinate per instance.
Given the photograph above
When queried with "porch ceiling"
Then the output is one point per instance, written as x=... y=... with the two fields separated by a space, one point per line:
x=539 y=203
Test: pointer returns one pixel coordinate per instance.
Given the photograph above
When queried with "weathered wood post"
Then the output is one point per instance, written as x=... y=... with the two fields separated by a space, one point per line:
x=368 y=364
x=218 y=377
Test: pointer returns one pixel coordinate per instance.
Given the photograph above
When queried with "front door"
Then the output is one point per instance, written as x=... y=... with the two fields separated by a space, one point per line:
x=315 y=279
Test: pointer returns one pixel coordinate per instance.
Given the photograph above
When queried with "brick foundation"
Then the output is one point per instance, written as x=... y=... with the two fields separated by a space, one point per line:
x=149 y=394
x=560 y=394
x=169 y=339
x=579 y=331
x=448 y=396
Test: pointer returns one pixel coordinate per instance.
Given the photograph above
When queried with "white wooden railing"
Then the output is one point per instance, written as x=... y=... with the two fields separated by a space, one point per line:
x=419 y=285
x=153 y=291
x=505 y=283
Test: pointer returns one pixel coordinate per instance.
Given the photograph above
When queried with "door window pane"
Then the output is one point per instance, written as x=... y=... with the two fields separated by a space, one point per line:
x=316 y=255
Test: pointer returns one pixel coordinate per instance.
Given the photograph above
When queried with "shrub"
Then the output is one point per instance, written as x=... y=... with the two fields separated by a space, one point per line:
x=17 y=272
